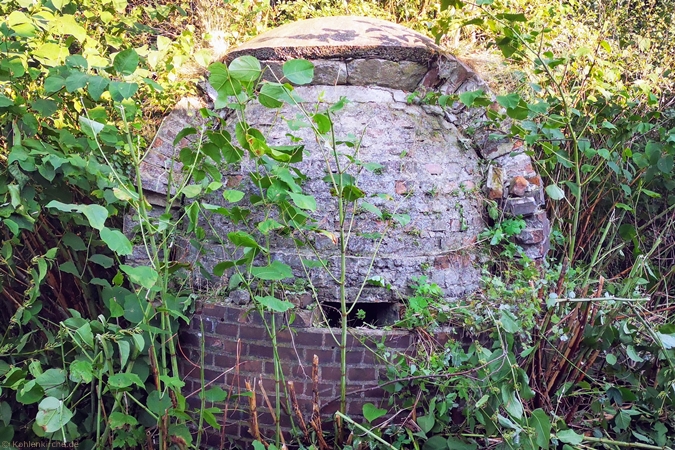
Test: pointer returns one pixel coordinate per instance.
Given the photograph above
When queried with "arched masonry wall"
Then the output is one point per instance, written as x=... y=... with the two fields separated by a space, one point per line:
x=431 y=166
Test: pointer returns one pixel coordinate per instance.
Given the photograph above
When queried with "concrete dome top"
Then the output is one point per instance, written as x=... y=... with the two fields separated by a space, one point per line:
x=340 y=37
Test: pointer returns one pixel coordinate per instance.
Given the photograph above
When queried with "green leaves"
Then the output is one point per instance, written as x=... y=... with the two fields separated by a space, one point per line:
x=511 y=401
x=245 y=68
x=95 y=214
x=126 y=62
x=116 y=241
x=372 y=412
x=274 y=304
x=299 y=71
x=120 y=90
x=554 y=192
x=276 y=271
x=303 y=201
x=124 y=380
x=141 y=275
x=569 y=437
x=52 y=415
x=541 y=423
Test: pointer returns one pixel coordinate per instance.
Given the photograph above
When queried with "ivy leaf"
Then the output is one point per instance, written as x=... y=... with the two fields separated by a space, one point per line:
x=97 y=86
x=118 y=420
x=511 y=402
x=554 y=192
x=274 y=304
x=569 y=437
x=245 y=68
x=124 y=380
x=81 y=372
x=242 y=239
x=126 y=62
x=372 y=412
x=102 y=260
x=306 y=202
x=54 y=84
x=116 y=241
x=541 y=423
x=437 y=442
x=44 y=107
x=52 y=415
x=95 y=214
x=276 y=271
x=299 y=71
x=142 y=275
x=158 y=404
x=426 y=423
x=120 y=90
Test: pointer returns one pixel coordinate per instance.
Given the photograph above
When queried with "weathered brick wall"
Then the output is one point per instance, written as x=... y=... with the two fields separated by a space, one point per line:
x=237 y=348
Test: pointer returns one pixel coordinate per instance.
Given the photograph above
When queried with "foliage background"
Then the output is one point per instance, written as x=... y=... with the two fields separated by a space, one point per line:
x=596 y=85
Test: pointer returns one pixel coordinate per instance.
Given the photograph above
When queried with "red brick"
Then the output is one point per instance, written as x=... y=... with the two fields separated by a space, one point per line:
x=370 y=358
x=211 y=375
x=310 y=338
x=285 y=337
x=190 y=339
x=251 y=332
x=401 y=342
x=231 y=347
x=253 y=366
x=354 y=356
x=330 y=373
x=325 y=356
x=330 y=408
x=361 y=374
x=227 y=329
x=214 y=310
x=288 y=354
x=260 y=351
x=213 y=342
x=224 y=361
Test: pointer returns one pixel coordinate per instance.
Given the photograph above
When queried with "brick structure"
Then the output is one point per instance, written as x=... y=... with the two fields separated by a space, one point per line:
x=237 y=348
x=430 y=167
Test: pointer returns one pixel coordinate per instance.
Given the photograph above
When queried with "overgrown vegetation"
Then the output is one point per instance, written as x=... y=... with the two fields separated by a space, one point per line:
x=574 y=353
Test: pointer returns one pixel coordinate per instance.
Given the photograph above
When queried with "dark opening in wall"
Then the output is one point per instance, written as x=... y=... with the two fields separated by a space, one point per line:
x=373 y=314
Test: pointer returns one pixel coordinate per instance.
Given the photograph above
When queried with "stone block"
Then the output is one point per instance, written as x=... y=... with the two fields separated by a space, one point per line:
x=403 y=75
x=326 y=72
x=530 y=236
x=519 y=186
x=495 y=183
x=537 y=251
x=520 y=206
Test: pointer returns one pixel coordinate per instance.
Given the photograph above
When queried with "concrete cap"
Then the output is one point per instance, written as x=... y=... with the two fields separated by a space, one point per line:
x=340 y=37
